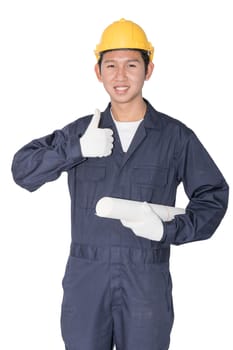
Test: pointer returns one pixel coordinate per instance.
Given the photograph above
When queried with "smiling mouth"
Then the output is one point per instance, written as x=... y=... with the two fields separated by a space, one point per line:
x=121 y=89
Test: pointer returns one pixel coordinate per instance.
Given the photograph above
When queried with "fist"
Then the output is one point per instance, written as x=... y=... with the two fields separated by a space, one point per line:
x=96 y=142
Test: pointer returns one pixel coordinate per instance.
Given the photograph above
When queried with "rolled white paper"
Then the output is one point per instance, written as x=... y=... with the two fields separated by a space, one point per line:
x=123 y=209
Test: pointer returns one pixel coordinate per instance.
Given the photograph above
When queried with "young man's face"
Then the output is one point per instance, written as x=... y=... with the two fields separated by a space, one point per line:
x=123 y=74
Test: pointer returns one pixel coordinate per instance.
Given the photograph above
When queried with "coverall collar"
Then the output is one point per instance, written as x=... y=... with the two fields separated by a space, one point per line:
x=151 y=121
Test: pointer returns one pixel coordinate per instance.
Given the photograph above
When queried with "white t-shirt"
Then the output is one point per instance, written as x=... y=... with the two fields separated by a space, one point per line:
x=126 y=131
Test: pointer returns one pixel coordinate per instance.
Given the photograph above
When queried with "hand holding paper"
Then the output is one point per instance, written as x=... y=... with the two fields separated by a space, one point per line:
x=144 y=219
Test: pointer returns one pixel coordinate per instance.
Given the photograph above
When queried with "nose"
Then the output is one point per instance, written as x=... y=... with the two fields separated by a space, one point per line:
x=121 y=74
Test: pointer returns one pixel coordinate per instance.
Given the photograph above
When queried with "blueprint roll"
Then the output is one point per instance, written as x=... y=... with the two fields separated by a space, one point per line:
x=123 y=209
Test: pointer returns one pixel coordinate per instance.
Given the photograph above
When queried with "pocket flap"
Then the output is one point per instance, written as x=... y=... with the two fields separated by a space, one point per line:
x=150 y=176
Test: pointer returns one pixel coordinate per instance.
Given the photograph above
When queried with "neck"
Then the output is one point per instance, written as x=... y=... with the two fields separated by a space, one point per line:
x=128 y=112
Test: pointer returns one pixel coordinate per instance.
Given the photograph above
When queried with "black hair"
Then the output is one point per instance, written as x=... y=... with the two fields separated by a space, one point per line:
x=144 y=53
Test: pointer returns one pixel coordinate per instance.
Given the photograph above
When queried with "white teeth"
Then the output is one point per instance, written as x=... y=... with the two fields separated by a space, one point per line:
x=121 y=88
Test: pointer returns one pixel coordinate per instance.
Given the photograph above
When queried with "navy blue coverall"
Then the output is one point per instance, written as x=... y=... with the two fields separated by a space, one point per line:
x=117 y=286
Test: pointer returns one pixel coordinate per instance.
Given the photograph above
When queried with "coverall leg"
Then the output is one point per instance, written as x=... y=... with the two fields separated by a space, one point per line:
x=117 y=294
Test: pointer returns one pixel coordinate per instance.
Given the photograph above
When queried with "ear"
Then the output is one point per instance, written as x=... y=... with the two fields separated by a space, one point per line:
x=150 y=69
x=97 y=72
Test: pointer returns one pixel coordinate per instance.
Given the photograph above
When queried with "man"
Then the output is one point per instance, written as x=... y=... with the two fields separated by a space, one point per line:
x=117 y=285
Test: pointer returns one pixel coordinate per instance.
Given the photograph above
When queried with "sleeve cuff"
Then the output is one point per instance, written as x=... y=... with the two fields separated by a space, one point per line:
x=74 y=149
x=168 y=232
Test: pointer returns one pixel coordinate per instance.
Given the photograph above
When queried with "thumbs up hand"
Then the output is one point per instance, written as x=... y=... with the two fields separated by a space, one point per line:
x=96 y=142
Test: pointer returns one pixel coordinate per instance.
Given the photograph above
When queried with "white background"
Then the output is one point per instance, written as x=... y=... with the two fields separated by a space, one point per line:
x=47 y=80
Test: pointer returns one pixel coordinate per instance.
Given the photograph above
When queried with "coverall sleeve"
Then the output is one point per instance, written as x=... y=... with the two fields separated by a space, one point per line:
x=44 y=159
x=207 y=191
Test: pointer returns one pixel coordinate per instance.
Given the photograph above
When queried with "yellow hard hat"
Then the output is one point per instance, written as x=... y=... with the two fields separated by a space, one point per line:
x=124 y=34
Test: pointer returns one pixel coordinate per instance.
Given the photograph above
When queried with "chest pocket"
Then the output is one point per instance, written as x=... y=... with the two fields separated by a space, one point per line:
x=90 y=184
x=148 y=183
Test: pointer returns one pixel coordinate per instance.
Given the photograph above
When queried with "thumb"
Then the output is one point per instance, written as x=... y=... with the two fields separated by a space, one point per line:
x=127 y=223
x=95 y=120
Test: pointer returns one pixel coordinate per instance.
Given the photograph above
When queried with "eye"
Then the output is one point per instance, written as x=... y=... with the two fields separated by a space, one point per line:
x=110 y=65
x=132 y=65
